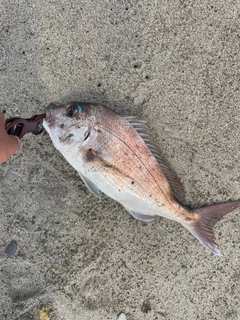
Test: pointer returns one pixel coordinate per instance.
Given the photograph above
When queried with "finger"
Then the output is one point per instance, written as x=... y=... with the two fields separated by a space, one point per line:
x=8 y=147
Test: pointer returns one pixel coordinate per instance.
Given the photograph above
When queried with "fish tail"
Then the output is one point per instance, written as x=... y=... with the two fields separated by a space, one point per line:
x=204 y=221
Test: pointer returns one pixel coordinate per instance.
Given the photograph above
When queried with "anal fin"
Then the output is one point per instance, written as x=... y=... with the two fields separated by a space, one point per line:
x=140 y=216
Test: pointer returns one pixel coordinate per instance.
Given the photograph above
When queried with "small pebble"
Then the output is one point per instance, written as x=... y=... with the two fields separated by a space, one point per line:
x=11 y=248
x=122 y=316
x=146 y=307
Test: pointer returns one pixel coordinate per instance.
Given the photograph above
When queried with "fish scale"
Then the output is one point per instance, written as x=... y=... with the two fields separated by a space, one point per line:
x=114 y=155
x=117 y=156
x=142 y=158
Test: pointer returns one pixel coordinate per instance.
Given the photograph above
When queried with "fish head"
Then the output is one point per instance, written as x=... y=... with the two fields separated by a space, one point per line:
x=69 y=125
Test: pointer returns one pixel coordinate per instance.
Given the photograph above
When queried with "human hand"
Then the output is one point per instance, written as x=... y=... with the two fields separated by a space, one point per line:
x=8 y=143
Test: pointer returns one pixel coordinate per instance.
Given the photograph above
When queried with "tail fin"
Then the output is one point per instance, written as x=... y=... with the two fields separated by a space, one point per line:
x=205 y=219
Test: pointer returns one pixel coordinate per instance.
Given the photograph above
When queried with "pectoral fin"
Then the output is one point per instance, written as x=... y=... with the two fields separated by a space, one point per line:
x=90 y=185
x=140 y=216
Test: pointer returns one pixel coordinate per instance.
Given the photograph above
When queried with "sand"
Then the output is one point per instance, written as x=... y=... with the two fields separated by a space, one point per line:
x=174 y=63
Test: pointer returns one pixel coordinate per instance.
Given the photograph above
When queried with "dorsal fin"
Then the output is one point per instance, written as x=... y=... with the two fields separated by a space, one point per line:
x=143 y=130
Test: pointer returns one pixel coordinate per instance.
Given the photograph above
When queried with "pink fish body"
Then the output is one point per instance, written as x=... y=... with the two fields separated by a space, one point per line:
x=117 y=156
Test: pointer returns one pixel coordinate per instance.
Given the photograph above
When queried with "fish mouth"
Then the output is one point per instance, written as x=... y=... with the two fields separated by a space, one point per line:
x=55 y=119
x=49 y=113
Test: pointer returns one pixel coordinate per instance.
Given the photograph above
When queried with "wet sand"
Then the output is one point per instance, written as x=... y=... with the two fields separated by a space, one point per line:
x=174 y=63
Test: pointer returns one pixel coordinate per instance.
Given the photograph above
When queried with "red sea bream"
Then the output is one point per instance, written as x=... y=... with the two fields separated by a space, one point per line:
x=117 y=156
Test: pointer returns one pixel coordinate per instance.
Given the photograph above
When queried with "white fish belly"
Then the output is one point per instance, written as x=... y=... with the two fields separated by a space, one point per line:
x=132 y=196
x=119 y=187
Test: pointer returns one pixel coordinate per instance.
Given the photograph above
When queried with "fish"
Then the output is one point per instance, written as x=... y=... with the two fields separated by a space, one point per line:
x=116 y=155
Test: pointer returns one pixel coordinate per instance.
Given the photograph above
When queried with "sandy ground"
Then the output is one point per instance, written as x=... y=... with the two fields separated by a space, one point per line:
x=174 y=63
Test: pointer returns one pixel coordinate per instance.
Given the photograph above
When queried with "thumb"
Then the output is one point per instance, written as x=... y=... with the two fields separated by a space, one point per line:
x=8 y=146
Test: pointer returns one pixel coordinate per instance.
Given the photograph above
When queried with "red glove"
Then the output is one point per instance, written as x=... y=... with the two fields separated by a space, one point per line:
x=8 y=143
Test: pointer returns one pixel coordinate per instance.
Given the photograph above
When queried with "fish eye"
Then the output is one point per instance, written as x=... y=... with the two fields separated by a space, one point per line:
x=71 y=111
